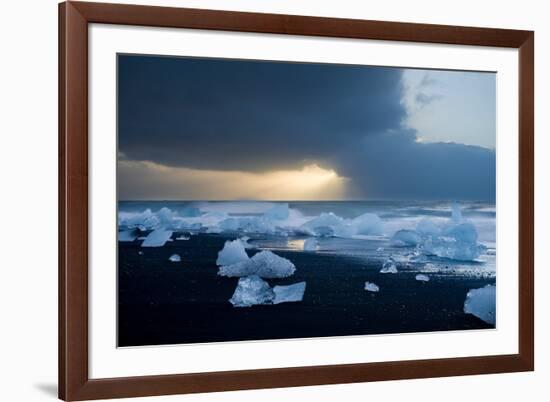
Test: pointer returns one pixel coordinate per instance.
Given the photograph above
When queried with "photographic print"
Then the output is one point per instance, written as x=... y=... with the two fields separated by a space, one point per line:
x=266 y=200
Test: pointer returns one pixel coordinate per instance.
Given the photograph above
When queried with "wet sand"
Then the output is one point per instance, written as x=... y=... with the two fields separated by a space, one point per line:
x=161 y=302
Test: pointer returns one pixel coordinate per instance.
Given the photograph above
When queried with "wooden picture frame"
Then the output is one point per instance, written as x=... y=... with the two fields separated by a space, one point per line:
x=74 y=381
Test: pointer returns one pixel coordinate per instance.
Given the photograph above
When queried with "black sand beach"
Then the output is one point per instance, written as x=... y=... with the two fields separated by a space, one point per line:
x=162 y=302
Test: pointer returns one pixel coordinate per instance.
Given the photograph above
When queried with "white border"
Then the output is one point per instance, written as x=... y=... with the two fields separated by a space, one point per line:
x=108 y=361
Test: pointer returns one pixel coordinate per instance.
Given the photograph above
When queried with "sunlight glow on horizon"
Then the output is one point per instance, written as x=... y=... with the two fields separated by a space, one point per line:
x=145 y=180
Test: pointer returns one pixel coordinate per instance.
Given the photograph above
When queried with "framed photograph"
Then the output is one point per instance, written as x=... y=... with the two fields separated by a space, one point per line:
x=258 y=200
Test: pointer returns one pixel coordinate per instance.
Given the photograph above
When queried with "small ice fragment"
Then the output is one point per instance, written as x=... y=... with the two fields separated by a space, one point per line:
x=389 y=267
x=482 y=303
x=290 y=293
x=311 y=244
x=491 y=251
x=183 y=237
x=371 y=287
x=380 y=249
x=233 y=252
x=140 y=252
x=405 y=238
x=422 y=278
x=252 y=290
x=175 y=258
x=128 y=235
x=157 y=238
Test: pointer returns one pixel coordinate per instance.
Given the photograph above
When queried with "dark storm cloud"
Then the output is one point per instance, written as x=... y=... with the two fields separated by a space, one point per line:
x=259 y=116
x=236 y=115
x=394 y=165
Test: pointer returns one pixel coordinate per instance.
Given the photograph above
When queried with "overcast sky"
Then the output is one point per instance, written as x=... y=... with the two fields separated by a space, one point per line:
x=225 y=129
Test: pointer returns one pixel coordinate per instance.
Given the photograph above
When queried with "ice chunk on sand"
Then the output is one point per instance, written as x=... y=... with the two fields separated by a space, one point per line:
x=405 y=238
x=422 y=278
x=157 y=238
x=279 y=212
x=482 y=303
x=456 y=245
x=371 y=287
x=232 y=253
x=128 y=235
x=175 y=258
x=310 y=244
x=252 y=290
x=389 y=267
x=264 y=264
x=290 y=293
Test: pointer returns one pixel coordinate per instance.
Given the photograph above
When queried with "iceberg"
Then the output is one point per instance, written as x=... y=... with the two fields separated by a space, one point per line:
x=264 y=264
x=128 y=235
x=456 y=214
x=157 y=238
x=405 y=238
x=456 y=240
x=428 y=228
x=330 y=224
x=482 y=303
x=324 y=224
x=250 y=291
x=250 y=224
x=310 y=244
x=233 y=252
x=367 y=224
x=371 y=287
x=279 y=212
x=143 y=220
x=452 y=248
x=290 y=293
x=191 y=212
x=389 y=267
x=422 y=278
x=175 y=258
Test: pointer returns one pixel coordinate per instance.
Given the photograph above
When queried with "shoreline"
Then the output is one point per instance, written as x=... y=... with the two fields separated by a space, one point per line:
x=162 y=303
